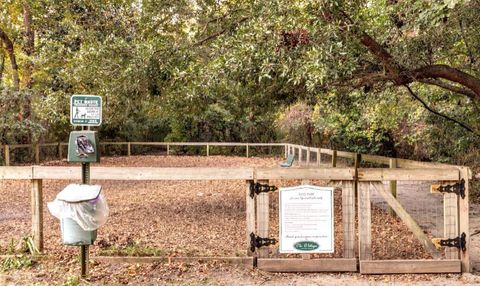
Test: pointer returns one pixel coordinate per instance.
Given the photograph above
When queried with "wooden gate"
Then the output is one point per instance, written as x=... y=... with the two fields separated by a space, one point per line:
x=453 y=258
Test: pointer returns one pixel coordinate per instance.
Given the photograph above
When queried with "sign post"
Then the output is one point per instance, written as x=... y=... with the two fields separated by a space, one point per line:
x=306 y=219
x=85 y=111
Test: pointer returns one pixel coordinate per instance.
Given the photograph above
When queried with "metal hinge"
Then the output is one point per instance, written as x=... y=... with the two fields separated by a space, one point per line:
x=257 y=188
x=257 y=241
x=458 y=242
x=457 y=188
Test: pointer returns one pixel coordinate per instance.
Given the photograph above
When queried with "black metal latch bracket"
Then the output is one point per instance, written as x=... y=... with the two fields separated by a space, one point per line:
x=458 y=242
x=257 y=241
x=257 y=188
x=457 y=188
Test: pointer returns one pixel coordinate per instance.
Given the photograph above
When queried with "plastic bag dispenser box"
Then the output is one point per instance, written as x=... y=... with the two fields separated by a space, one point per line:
x=83 y=146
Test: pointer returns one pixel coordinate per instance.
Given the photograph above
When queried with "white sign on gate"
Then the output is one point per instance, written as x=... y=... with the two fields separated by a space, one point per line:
x=306 y=219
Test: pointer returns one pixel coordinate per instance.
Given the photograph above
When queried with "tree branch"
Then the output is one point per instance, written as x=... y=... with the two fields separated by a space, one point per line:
x=425 y=105
x=449 y=73
x=402 y=76
x=450 y=87
x=221 y=32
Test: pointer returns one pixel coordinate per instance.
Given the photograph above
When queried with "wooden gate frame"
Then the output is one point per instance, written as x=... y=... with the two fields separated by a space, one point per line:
x=259 y=224
x=455 y=223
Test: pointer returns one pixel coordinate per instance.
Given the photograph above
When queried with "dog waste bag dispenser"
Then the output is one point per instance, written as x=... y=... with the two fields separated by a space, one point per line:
x=81 y=209
x=83 y=147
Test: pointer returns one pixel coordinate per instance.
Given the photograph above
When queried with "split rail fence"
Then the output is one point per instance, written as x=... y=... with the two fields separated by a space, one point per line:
x=357 y=185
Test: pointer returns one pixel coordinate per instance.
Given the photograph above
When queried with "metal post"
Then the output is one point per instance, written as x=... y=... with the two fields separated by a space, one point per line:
x=84 y=248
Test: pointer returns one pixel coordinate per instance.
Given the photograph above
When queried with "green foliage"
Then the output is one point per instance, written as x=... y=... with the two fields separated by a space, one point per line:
x=13 y=127
x=132 y=250
x=16 y=262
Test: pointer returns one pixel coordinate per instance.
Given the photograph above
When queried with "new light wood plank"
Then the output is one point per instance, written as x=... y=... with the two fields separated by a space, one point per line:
x=37 y=213
x=464 y=223
x=307 y=265
x=450 y=226
x=364 y=222
x=16 y=173
x=305 y=173
x=263 y=220
x=250 y=217
x=386 y=174
x=409 y=266
x=407 y=220
x=348 y=219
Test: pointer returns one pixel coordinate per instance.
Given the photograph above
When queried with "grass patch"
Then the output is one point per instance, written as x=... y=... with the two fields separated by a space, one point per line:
x=16 y=262
x=132 y=250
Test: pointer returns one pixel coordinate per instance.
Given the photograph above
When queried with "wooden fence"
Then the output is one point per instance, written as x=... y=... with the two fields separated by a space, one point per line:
x=357 y=185
x=61 y=146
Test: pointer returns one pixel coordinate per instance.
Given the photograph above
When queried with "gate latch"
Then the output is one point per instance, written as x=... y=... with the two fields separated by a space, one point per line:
x=257 y=241
x=458 y=242
x=457 y=188
x=257 y=188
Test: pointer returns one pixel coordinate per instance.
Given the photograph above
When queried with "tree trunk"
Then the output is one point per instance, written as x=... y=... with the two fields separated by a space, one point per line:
x=29 y=44
x=13 y=60
x=2 y=63
x=28 y=48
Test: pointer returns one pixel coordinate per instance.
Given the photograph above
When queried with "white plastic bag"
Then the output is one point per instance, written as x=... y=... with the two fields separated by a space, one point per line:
x=89 y=214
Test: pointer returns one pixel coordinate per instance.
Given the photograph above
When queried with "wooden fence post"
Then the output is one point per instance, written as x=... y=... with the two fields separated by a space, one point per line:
x=36 y=147
x=334 y=158
x=59 y=151
x=308 y=156
x=348 y=219
x=285 y=147
x=364 y=222
x=262 y=220
x=250 y=215
x=208 y=150
x=129 y=149
x=168 y=149
x=37 y=213
x=319 y=157
x=358 y=159
x=7 y=155
x=393 y=184
x=450 y=226
x=463 y=212
x=247 y=150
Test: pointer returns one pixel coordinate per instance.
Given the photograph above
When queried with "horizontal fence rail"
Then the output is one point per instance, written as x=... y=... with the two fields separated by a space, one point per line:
x=195 y=173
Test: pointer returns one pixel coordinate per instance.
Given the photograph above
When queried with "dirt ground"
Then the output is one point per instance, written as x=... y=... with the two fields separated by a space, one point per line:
x=189 y=218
